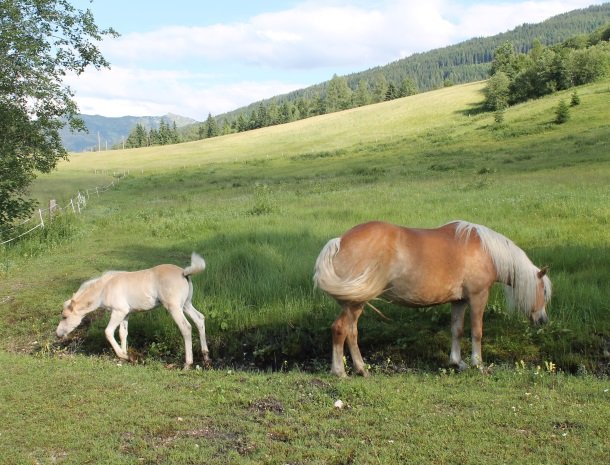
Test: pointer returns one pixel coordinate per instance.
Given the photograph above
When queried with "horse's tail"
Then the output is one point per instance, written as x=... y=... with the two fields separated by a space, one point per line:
x=197 y=265
x=360 y=288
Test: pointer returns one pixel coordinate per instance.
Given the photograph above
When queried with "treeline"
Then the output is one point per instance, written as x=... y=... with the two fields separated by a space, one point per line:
x=517 y=77
x=143 y=137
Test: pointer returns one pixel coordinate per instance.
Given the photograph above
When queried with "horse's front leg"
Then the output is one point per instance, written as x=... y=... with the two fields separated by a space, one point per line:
x=123 y=334
x=457 y=329
x=116 y=318
x=477 y=308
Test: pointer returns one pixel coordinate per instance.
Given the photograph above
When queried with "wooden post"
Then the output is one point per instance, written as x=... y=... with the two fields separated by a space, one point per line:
x=52 y=208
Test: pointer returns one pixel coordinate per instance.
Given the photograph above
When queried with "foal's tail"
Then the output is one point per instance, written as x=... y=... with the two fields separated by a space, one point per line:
x=360 y=288
x=197 y=265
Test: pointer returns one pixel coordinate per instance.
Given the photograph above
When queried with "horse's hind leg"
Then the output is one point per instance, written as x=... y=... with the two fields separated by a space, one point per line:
x=457 y=329
x=346 y=327
x=175 y=310
x=199 y=321
x=352 y=341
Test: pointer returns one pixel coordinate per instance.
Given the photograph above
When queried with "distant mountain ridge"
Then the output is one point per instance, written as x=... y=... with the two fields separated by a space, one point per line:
x=105 y=132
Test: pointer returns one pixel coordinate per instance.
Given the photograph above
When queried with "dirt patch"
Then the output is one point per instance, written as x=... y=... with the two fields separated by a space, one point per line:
x=266 y=404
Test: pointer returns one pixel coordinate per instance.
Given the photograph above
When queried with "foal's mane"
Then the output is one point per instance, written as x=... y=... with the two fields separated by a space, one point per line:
x=513 y=266
x=92 y=282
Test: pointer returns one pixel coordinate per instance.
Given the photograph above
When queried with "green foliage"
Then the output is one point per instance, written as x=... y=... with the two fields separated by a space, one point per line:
x=163 y=135
x=497 y=92
x=574 y=99
x=499 y=116
x=40 y=42
x=517 y=78
x=562 y=112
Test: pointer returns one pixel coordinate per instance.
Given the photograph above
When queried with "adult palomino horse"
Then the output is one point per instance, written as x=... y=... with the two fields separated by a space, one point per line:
x=457 y=263
x=124 y=292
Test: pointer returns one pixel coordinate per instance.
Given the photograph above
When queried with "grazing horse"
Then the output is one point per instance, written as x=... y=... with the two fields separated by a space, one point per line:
x=124 y=292
x=457 y=263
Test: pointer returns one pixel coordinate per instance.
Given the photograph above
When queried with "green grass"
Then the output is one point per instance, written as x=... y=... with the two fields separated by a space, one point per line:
x=75 y=410
x=259 y=206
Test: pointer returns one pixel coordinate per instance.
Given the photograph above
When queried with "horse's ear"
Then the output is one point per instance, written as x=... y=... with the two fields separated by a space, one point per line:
x=543 y=271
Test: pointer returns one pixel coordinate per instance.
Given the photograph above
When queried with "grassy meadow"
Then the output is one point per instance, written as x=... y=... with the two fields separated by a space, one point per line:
x=259 y=206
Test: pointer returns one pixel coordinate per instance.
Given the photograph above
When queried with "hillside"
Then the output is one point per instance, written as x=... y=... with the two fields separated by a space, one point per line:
x=461 y=63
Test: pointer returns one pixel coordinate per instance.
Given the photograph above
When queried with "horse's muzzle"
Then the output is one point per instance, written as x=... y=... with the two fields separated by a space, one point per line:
x=540 y=319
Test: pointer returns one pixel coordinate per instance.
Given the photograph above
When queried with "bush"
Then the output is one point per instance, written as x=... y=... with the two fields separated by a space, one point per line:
x=562 y=113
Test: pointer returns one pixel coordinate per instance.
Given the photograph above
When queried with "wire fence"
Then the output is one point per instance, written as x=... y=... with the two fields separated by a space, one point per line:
x=75 y=205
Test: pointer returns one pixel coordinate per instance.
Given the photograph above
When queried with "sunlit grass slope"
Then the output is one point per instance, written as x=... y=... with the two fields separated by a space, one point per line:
x=260 y=205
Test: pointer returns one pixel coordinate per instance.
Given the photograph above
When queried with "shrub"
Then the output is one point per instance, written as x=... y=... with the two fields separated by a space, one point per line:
x=562 y=113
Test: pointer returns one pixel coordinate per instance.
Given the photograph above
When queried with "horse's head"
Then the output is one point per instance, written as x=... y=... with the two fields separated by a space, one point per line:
x=71 y=316
x=543 y=295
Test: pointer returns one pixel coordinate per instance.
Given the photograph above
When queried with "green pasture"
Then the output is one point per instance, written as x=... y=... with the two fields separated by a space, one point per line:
x=76 y=410
x=259 y=206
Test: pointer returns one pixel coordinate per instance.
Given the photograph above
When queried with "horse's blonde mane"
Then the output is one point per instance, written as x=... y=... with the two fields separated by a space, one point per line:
x=513 y=266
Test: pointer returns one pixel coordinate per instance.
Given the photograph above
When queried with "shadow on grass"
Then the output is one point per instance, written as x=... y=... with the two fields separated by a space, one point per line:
x=263 y=313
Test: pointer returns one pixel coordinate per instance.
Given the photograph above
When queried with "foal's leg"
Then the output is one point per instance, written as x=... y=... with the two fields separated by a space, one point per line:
x=199 y=321
x=175 y=310
x=123 y=334
x=116 y=318
x=457 y=329
x=477 y=308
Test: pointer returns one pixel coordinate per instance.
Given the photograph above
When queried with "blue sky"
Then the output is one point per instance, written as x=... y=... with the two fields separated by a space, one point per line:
x=195 y=58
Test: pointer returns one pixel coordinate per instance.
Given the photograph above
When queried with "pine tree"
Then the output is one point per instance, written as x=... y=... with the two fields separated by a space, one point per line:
x=562 y=112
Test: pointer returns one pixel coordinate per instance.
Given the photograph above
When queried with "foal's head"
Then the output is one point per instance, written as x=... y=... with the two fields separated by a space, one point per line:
x=543 y=295
x=75 y=309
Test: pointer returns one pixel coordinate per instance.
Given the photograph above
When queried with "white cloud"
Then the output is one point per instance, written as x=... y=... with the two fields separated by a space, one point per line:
x=125 y=91
x=213 y=69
